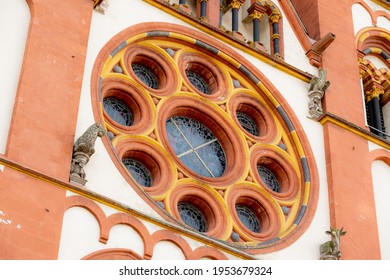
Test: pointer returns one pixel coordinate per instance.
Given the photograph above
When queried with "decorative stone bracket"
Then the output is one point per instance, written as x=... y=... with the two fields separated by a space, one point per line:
x=83 y=149
x=330 y=250
x=318 y=86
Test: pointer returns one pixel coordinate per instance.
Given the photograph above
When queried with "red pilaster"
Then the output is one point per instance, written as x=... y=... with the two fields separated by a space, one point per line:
x=42 y=128
x=351 y=195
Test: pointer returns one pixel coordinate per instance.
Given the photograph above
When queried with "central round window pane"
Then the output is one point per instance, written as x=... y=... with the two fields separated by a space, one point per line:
x=138 y=171
x=192 y=216
x=248 y=218
x=118 y=111
x=198 y=81
x=145 y=75
x=196 y=146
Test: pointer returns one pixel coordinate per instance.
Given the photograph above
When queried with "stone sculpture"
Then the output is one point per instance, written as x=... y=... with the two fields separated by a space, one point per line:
x=318 y=86
x=83 y=149
x=330 y=250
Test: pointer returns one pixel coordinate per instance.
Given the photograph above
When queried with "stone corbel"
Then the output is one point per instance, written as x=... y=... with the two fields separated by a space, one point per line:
x=315 y=53
x=101 y=6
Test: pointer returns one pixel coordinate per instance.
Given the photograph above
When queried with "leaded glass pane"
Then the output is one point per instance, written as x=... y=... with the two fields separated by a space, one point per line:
x=118 y=111
x=138 y=171
x=198 y=81
x=196 y=146
x=145 y=75
x=192 y=216
x=269 y=178
x=248 y=218
x=247 y=123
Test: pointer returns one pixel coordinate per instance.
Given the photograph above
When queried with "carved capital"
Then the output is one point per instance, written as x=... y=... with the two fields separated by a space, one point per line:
x=235 y=4
x=275 y=17
x=374 y=92
x=256 y=14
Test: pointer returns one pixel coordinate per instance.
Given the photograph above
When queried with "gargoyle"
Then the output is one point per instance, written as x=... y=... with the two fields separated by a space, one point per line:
x=83 y=149
x=317 y=88
x=86 y=142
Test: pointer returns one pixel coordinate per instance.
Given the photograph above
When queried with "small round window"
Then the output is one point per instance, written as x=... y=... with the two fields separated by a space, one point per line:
x=196 y=146
x=118 y=111
x=198 y=81
x=138 y=171
x=268 y=178
x=192 y=216
x=248 y=123
x=248 y=218
x=145 y=74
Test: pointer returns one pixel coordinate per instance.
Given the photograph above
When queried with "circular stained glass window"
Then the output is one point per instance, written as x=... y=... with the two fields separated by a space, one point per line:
x=268 y=178
x=196 y=146
x=248 y=218
x=138 y=171
x=198 y=81
x=118 y=111
x=145 y=75
x=192 y=216
x=248 y=123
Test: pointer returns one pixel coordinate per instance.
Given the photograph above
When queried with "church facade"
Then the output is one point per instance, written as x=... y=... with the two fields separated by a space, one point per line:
x=195 y=129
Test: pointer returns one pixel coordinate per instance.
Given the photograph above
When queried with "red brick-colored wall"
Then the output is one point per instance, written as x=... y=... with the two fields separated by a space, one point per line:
x=42 y=128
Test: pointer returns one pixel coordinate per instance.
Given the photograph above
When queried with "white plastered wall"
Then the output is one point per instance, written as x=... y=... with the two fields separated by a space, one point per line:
x=14 y=24
x=104 y=178
x=381 y=184
x=362 y=18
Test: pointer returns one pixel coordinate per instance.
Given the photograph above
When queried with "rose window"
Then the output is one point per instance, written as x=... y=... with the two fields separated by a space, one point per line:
x=204 y=137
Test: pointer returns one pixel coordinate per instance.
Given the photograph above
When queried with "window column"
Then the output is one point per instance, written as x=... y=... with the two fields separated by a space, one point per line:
x=235 y=5
x=255 y=12
x=374 y=110
x=274 y=19
x=203 y=8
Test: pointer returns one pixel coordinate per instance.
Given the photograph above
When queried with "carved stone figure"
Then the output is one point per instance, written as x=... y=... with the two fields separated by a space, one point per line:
x=317 y=88
x=83 y=149
x=101 y=6
x=331 y=250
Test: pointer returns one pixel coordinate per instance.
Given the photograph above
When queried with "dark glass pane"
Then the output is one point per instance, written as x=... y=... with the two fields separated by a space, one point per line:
x=118 y=111
x=198 y=81
x=247 y=123
x=248 y=218
x=269 y=178
x=192 y=216
x=145 y=75
x=138 y=171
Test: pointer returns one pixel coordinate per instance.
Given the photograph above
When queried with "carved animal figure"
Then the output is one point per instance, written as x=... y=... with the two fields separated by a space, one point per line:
x=332 y=248
x=319 y=83
x=86 y=142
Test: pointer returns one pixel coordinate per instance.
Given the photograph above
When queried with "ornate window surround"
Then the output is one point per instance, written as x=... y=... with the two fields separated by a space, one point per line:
x=376 y=82
x=288 y=146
